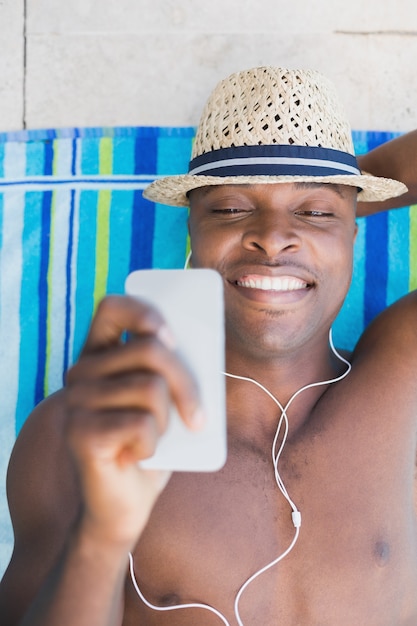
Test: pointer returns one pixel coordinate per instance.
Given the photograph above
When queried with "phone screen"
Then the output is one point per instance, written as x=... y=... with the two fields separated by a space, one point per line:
x=191 y=301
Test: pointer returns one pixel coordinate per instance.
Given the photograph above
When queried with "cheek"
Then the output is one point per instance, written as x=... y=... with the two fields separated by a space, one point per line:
x=209 y=246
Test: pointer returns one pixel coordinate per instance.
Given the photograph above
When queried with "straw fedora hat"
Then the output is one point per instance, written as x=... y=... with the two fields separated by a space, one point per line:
x=272 y=125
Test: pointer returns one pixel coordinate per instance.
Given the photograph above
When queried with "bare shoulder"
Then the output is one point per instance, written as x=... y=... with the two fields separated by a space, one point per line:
x=385 y=361
x=43 y=501
x=393 y=333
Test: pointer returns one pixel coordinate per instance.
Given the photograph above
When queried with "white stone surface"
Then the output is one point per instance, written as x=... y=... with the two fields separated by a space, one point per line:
x=100 y=62
x=11 y=64
x=219 y=16
x=164 y=78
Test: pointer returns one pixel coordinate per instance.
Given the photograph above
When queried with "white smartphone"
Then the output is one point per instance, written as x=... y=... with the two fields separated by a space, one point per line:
x=191 y=302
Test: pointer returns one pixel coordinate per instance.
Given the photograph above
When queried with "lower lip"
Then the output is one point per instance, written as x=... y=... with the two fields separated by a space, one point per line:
x=271 y=296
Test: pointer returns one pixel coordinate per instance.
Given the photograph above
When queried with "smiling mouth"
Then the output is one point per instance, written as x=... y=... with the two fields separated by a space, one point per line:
x=272 y=283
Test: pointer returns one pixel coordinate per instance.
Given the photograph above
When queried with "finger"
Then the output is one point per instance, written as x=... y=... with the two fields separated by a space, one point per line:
x=136 y=392
x=121 y=437
x=116 y=315
x=146 y=354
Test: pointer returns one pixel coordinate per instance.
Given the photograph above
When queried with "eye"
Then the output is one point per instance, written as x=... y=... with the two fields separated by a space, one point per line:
x=228 y=211
x=315 y=213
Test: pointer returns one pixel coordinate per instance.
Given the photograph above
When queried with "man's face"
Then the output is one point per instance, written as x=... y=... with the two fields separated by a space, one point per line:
x=285 y=254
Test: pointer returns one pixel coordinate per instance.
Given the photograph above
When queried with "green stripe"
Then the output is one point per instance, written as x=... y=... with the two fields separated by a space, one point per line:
x=103 y=222
x=106 y=155
x=102 y=245
x=55 y=146
x=413 y=247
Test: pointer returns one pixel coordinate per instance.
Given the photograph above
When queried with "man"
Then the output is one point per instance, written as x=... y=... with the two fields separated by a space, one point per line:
x=273 y=185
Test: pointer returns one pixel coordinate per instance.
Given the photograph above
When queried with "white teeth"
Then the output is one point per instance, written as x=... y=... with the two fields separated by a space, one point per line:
x=273 y=283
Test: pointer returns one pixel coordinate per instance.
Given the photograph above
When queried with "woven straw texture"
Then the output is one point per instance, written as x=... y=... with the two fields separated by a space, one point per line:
x=273 y=106
x=266 y=106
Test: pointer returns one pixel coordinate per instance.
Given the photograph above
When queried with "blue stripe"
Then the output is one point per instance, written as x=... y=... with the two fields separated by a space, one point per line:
x=145 y=155
x=142 y=231
x=43 y=294
x=376 y=270
x=74 y=157
x=68 y=268
x=48 y=158
x=43 y=275
x=68 y=294
x=135 y=181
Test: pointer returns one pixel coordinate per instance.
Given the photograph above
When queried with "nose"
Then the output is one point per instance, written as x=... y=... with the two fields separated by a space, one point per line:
x=272 y=234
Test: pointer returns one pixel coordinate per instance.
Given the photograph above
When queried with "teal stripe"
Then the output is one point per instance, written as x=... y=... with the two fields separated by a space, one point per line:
x=170 y=237
x=119 y=240
x=170 y=232
x=1 y=224
x=398 y=254
x=360 y=141
x=412 y=238
x=90 y=156
x=349 y=324
x=173 y=155
x=35 y=158
x=29 y=306
x=123 y=155
x=86 y=258
x=2 y=160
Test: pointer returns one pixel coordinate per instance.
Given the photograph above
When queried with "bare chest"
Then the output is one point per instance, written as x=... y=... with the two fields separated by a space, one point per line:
x=354 y=558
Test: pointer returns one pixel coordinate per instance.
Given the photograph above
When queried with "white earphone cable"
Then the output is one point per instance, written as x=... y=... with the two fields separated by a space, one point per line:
x=296 y=515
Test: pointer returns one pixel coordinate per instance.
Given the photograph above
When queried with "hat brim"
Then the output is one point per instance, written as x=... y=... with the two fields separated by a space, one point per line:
x=173 y=190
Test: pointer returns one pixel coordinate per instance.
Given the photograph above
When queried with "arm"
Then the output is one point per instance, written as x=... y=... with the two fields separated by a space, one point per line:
x=77 y=520
x=394 y=159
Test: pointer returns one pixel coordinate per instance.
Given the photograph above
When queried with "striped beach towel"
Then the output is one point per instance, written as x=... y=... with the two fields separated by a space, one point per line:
x=73 y=224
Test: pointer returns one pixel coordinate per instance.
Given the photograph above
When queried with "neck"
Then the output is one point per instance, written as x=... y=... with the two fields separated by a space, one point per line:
x=296 y=381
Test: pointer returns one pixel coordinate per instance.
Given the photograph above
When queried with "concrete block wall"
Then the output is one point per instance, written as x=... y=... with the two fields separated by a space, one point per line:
x=153 y=62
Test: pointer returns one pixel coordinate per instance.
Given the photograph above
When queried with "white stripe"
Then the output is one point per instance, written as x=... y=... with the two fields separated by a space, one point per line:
x=95 y=181
x=341 y=167
x=14 y=160
x=63 y=158
x=57 y=288
x=10 y=294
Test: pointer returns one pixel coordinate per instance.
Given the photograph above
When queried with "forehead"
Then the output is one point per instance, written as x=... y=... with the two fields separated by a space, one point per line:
x=344 y=192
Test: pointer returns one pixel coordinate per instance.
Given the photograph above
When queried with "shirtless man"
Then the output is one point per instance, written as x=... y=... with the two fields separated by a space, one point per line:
x=283 y=246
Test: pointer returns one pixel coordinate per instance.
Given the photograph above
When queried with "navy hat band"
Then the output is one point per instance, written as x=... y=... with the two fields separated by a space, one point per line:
x=274 y=160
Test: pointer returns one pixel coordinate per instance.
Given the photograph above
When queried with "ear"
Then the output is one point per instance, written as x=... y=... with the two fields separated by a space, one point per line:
x=355 y=234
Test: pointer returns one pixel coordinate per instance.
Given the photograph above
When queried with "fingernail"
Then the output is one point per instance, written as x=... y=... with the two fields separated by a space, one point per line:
x=166 y=336
x=198 y=420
